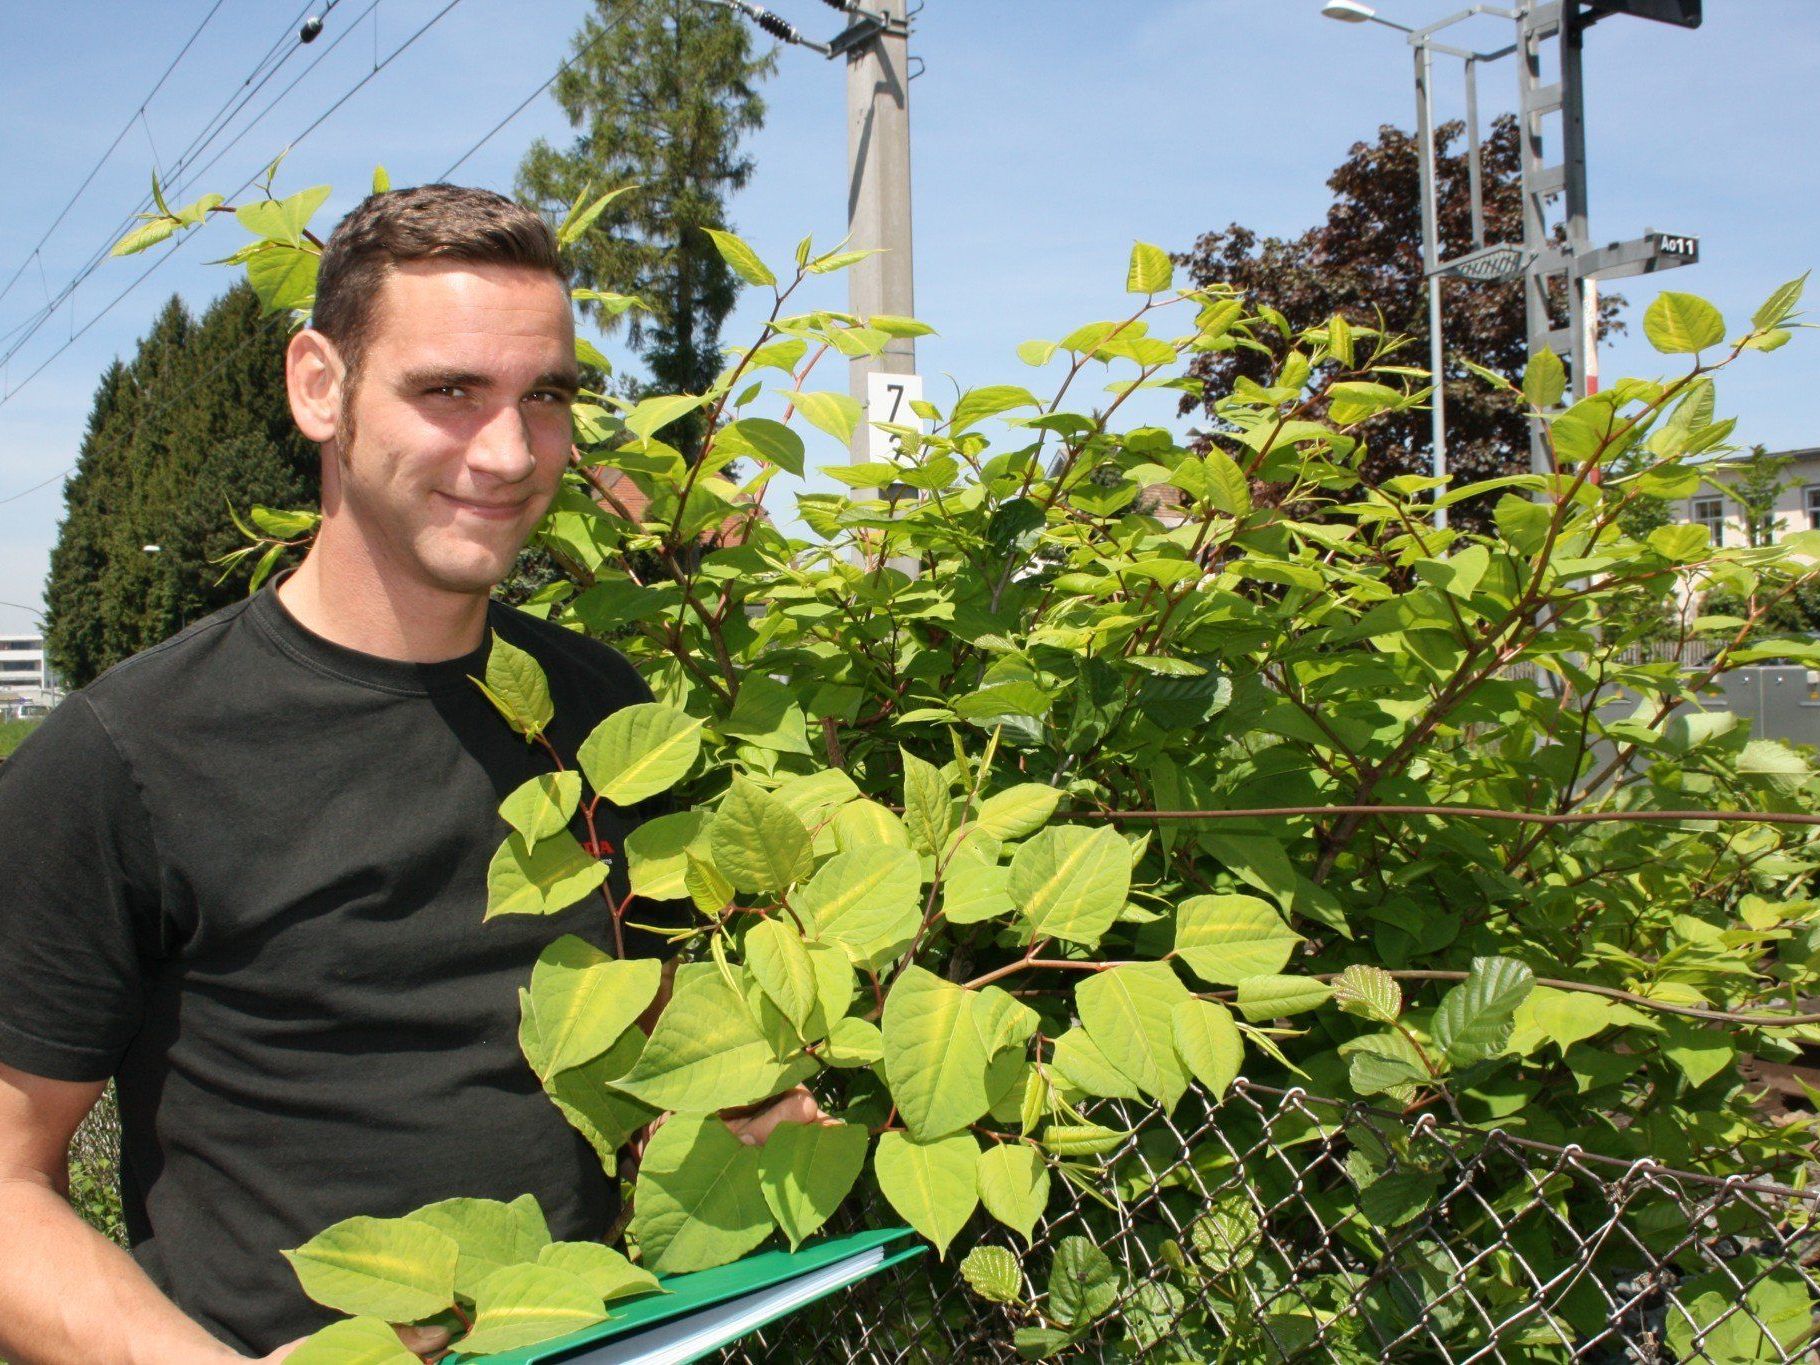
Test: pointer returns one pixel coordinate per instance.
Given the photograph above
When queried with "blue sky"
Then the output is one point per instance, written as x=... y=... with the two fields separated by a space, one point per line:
x=1046 y=136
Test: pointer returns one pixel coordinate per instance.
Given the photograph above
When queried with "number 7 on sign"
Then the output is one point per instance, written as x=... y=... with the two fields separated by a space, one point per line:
x=888 y=399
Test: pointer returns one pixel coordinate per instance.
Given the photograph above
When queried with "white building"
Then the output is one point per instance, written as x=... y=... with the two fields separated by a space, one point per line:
x=26 y=680
x=1797 y=506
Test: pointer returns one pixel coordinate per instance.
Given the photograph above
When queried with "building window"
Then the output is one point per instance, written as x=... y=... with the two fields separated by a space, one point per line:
x=1810 y=503
x=1710 y=513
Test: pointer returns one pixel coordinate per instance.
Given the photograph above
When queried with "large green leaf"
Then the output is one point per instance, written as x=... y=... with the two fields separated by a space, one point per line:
x=639 y=751
x=992 y=1273
x=1082 y=1282
x=1226 y=938
x=698 y=1202
x=1208 y=1042
x=607 y=1272
x=1475 y=1017
x=835 y=413
x=490 y=1234
x=652 y=415
x=1014 y=1186
x=779 y=961
x=1274 y=997
x=934 y=1186
x=282 y=220
x=1128 y=1011
x=1680 y=324
x=974 y=891
x=543 y=878
x=760 y=438
x=603 y=1116
x=741 y=259
x=657 y=853
x=391 y=1268
x=1150 y=271
x=516 y=686
x=542 y=806
x=865 y=899
x=522 y=1305
x=937 y=1052
x=1071 y=882
x=926 y=804
x=283 y=277
x=806 y=1169
x=706 y=1053
x=1018 y=811
x=354 y=1341
x=862 y=824
x=1078 y=1061
x=757 y=842
x=585 y=1000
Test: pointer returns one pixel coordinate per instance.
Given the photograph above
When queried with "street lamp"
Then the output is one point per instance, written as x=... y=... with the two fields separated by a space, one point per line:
x=1352 y=12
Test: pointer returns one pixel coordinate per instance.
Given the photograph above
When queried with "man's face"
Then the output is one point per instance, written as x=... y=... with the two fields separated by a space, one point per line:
x=458 y=428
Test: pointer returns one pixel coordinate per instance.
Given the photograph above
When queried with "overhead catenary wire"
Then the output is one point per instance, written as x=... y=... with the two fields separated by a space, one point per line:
x=78 y=333
x=125 y=128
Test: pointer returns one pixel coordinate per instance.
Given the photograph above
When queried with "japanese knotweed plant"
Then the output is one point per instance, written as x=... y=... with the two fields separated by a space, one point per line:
x=1057 y=766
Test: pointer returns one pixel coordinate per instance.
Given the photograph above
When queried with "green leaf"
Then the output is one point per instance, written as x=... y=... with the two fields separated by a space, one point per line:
x=1458 y=575
x=490 y=1234
x=835 y=413
x=1082 y=1282
x=1544 y=379
x=540 y=878
x=543 y=806
x=706 y=1052
x=382 y=180
x=779 y=962
x=1014 y=1186
x=607 y=1272
x=1039 y=1343
x=1474 y=1018
x=934 y=1186
x=1226 y=938
x=1681 y=324
x=1128 y=1011
x=1369 y=992
x=806 y=1169
x=839 y=260
x=584 y=213
x=522 y=1305
x=926 y=805
x=1275 y=997
x=1078 y=1061
x=282 y=220
x=938 y=1039
x=148 y=234
x=354 y=1341
x=974 y=891
x=585 y=1000
x=863 y=823
x=1353 y=400
x=1376 y=1073
x=1036 y=353
x=1680 y=543
x=853 y=1042
x=760 y=438
x=741 y=259
x=1071 y=882
x=1779 y=305
x=698 y=1202
x=864 y=899
x=1150 y=271
x=1560 y=1017
x=992 y=1273
x=652 y=415
x=757 y=842
x=978 y=404
x=391 y=1268
x=657 y=853
x=1018 y=811
x=604 y=1117
x=284 y=277
x=1698 y=1053
x=516 y=686
x=1208 y=1042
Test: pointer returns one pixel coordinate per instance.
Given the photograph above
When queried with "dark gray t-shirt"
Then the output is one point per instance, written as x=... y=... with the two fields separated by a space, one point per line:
x=244 y=874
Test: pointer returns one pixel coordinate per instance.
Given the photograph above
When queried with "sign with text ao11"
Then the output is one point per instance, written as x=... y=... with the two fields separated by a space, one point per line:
x=888 y=399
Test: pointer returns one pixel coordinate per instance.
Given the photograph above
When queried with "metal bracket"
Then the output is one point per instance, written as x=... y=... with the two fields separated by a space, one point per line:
x=1640 y=256
x=867 y=25
x=1489 y=264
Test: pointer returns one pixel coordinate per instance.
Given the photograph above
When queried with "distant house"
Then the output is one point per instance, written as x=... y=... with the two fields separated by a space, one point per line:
x=619 y=493
x=1797 y=507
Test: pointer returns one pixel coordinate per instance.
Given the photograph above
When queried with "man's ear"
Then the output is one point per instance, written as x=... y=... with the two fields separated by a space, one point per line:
x=313 y=379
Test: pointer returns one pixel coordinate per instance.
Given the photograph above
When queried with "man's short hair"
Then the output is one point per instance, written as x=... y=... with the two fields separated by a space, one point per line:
x=431 y=222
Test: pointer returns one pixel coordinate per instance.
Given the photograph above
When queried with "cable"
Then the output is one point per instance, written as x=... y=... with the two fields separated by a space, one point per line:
x=125 y=128
x=525 y=103
x=77 y=334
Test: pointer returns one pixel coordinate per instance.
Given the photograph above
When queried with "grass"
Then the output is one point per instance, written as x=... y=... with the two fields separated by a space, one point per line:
x=13 y=733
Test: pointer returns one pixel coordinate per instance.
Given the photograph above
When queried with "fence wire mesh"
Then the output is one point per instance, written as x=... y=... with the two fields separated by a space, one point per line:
x=1281 y=1226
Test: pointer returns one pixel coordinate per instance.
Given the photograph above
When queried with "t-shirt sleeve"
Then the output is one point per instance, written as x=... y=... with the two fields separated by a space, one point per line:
x=78 y=898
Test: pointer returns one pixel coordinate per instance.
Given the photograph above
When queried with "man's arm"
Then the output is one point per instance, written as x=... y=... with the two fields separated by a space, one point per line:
x=69 y=1296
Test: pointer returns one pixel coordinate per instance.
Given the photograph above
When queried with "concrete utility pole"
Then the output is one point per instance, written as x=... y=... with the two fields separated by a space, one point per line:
x=876 y=46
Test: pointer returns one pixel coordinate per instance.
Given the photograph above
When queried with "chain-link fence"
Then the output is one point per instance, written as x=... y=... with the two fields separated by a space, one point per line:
x=1278 y=1226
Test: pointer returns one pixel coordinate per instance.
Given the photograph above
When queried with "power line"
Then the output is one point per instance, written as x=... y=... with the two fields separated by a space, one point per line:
x=125 y=128
x=78 y=333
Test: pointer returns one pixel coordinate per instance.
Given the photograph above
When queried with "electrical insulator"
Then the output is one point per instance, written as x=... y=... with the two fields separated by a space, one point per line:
x=311 y=27
x=775 y=26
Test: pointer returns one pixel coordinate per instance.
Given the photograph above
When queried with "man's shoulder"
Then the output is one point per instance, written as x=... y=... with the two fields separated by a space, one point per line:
x=558 y=648
x=151 y=675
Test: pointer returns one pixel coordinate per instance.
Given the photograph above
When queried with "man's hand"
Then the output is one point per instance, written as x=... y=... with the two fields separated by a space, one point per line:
x=424 y=1341
x=753 y=1123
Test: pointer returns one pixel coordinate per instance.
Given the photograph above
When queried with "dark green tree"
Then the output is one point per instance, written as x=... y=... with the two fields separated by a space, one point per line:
x=661 y=93
x=198 y=421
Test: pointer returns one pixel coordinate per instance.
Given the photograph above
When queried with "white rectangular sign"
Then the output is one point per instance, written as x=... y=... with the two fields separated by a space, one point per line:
x=888 y=399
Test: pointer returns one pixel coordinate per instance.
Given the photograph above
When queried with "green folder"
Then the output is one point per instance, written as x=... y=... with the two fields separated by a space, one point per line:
x=705 y=1310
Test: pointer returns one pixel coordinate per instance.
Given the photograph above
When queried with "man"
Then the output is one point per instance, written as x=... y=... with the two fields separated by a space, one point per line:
x=245 y=870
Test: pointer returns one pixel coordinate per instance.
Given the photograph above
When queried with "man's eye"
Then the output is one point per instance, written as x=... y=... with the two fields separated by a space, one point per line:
x=448 y=391
x=549 y=398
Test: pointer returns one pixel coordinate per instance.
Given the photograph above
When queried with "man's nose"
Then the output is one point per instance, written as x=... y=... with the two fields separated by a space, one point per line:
x=502 y=446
